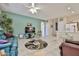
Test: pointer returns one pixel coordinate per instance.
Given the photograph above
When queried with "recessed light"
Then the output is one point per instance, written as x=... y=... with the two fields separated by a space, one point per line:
x=69 y=8
x=73 y=11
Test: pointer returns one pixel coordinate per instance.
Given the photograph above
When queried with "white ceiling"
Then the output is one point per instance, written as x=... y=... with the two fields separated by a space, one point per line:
x=48 y=10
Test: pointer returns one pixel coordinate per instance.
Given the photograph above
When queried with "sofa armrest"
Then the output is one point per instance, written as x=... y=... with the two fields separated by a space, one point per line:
x=71 y=45
x=68 y=49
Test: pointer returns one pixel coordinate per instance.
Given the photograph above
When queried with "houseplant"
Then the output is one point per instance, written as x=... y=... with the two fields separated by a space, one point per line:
x=6 y=22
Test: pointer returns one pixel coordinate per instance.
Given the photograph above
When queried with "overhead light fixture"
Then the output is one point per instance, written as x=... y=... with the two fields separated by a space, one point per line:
x=73 y=11
x=33 y=9
x=69 y=8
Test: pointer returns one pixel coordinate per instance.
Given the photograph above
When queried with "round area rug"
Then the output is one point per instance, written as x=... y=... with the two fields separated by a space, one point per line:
x=36 y=44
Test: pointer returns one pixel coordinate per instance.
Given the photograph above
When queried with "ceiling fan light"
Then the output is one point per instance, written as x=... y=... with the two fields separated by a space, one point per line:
x=33 y=11
x=37 y=8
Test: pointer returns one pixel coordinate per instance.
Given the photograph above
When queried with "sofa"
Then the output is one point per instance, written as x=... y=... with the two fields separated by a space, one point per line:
x=69 y=48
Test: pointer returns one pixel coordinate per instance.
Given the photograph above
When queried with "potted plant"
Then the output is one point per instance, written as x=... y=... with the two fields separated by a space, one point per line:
x=6 y=22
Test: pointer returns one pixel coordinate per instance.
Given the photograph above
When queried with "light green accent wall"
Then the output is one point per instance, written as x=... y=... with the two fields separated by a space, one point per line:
x=20 y=21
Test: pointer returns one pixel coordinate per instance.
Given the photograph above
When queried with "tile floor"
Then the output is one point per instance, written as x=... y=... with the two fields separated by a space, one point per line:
x=51 y=50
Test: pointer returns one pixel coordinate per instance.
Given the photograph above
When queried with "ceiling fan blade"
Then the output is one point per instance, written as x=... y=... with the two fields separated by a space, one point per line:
x=33 y=11
x=37 y=8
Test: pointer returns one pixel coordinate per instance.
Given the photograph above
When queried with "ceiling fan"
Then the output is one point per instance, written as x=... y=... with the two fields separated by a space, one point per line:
x=33 y=9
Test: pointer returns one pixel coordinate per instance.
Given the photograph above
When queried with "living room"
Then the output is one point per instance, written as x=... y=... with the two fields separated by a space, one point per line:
x=39 y=29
